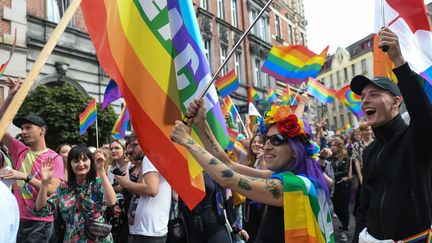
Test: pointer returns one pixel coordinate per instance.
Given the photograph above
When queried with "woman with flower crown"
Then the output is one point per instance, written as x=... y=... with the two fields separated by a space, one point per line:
x=292 y=187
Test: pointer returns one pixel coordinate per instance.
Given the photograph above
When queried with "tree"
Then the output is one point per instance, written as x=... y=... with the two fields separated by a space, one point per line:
x=60 y=107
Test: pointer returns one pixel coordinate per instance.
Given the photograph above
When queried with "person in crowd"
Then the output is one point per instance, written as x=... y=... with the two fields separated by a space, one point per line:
x=117 y=215
x=63 y=151
x=150 y=224
x=83 y=197
x=395 y=199
x=27 y=161
x=289 y=156
x=341 y=164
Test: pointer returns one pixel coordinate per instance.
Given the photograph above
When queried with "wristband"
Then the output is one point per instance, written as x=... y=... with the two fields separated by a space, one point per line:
x=28 y=178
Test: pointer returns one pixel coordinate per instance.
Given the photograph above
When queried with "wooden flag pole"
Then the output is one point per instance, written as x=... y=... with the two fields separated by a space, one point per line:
x=37 y=67
x=97 y=132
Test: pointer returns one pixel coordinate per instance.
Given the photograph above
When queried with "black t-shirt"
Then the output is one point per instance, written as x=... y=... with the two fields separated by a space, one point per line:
x=272 y=227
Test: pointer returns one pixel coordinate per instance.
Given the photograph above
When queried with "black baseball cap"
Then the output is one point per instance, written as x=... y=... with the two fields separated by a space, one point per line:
x=359 y=82
x=33 y=119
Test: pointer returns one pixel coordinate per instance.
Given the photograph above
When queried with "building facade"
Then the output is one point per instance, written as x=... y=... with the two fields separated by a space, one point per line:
x=222 y=22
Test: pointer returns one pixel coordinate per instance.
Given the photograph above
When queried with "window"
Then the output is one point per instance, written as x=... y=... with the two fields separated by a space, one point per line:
x=350 y=119
x=238 y=66
x=363 y=64
x=302 y=39
x=278 y=26
x=223 y=56
x=353 y=70
x=334 y=122
x=220 y=9
x=346 y=74
x=203 y=4
x=56 y=9
x=234 y=20
x=342 y=120
x=300 y=7
x=260 y=29
x=257 y=72
x=290 y=35
x=208 y=52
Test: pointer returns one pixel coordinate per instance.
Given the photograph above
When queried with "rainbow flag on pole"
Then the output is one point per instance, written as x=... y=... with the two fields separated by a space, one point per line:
x=155 y=54
x=253 y=96
x=112 y=93
x=227 y=84
x=271 y=95
x=4 y=65
x=120 y=126
x=232 y=137
x=320 y=92
x=228 y=106
x=293 y=64
x=88 y=117
x=350 y=100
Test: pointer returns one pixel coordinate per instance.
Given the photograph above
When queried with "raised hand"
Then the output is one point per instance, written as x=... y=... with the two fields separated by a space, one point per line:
x=197 y=111
x=99 y=158
x=47 y=169
x=13 y=85
x=181 y=133
x=390 y=39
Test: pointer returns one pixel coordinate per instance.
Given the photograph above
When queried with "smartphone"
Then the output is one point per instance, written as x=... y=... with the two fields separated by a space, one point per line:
x=118 y=172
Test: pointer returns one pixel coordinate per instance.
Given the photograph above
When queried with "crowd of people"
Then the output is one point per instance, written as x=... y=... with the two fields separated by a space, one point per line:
x=115 y=194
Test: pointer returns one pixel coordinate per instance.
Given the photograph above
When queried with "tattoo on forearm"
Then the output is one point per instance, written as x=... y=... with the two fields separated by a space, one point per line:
x=272 y=188
x=228 y=173
x=256 y=179
x=214 y=161
x=212 y=143
x=244 y=184
x=189 y=143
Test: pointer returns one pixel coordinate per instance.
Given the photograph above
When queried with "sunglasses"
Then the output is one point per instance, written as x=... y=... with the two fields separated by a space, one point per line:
x=276 y=139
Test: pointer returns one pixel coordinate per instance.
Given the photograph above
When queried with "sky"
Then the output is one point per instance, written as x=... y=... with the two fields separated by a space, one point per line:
x=338 y=23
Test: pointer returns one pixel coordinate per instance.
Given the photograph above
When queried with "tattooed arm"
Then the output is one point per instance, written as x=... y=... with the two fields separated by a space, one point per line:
x=267 y=191
x=197 y=110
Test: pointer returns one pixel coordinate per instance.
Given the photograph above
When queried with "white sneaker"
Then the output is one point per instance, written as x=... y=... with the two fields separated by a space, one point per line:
x=343 y=237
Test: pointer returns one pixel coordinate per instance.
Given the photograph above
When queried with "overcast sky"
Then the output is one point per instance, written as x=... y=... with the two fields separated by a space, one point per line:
x=338 y=23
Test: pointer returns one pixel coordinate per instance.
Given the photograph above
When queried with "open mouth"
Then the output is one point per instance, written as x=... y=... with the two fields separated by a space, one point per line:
x=370 y=111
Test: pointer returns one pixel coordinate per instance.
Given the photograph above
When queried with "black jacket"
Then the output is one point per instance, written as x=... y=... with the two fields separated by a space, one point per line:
x=395 y=200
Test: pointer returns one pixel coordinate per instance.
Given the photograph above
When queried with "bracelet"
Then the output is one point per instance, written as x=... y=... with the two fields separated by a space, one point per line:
x=46 y=182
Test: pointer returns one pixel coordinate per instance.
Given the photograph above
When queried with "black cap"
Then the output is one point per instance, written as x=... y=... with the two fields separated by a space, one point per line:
x=33 y=119
x=359 y=82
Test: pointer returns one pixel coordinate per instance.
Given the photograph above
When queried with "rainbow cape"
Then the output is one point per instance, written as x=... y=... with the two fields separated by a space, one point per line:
x=88 y=116
x=155 y=54
x=293 y=64
x=320 y=92
x=350 y=100
x=307 y=216
x=120 y=126
x=227 y=83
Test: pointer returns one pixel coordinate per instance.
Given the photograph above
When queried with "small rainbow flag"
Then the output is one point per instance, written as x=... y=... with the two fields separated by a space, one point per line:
x=350 y=100
x=286 y=96
x=228 y=106
x=293 y=64
x=320 y=92
x=271 y=95
x=232 y=138
x=88 y=117
x=120 y=126
x=252 y=95
x=4 y=65
x=227 y=84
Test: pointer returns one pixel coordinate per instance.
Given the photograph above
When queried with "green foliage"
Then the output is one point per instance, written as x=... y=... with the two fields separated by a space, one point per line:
x=60 y=107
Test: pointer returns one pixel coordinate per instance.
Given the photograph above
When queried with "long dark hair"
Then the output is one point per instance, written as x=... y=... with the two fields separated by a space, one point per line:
x=251 y=157
x=76 y=153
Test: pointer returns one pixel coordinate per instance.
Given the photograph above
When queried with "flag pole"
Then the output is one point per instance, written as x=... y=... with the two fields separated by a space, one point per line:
x=97 y=131
x=297 y=93
x=383 y=22
x=238 y=115
x=22 y=92
x=209 y=84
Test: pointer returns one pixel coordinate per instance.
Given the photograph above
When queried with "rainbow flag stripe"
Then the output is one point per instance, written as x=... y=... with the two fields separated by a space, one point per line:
x=232 y=137
x=307 y=217
x=155 y=54
x=120 y=126
x=252 y=95
x=293 y=64
x=320 y=92
x=4 y=65
x=228 y=106
x=350 y=100
x=88 y=117
x=227 y=84
x=271 y=95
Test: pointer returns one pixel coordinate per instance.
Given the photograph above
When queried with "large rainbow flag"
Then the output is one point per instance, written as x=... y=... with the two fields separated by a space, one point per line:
x=293 y=64
x=88 y=116
x=227 y=83
x=320 y=92
x=350 y=100
x=154 y=53
x=120 y=126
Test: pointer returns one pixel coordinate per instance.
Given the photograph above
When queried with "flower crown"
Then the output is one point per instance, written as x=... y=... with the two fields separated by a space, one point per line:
x=290 y=125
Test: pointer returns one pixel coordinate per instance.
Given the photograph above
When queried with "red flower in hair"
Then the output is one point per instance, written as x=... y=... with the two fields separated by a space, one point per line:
x=289 y=126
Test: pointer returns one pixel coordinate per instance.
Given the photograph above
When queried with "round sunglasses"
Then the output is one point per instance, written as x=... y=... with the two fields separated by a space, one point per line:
x=276 y=139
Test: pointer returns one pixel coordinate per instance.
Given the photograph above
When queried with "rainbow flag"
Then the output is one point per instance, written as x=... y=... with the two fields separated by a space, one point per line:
x=293 y=64
x=227 y=84
x=307 y=217
x=88 y=116
x=350 y=100
x=286 y=95
x=4 y=65
x=228 y=106
x=320 y=92
x=253 y=96
x=112 y=93
x=232 y=138
x=155 y=54
x=120 y=126
x=271 y=95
